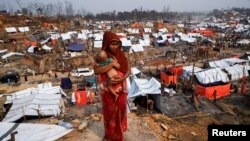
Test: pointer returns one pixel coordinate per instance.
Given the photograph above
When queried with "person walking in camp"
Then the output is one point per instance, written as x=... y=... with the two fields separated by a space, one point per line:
x=214 y=96
x=243 y=88
x=163 y=85
x=114 y=113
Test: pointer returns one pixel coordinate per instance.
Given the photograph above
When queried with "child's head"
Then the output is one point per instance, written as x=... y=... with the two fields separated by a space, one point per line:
x=101 y=56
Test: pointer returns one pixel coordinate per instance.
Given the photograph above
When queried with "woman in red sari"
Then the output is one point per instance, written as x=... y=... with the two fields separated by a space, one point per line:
x=114 y=112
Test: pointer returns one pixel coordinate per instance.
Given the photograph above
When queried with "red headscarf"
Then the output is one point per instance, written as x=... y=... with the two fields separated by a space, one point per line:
x=108 y=37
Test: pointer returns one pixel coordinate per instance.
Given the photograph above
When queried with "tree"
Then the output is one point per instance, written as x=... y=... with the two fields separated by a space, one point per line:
x=69 y=9
x=25 y=11
x=59 y=8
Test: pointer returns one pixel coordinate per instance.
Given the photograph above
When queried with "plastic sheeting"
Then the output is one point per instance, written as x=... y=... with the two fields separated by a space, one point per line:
x=211 y=76
x=136 y=48
x=237 y=71
x=168 y=78
x=188 y=70
x=35 y=105
x=32 y=132
x=11 y=54
x=141 y=87
x=222 y=90
x=23 y=29
x=76 y=47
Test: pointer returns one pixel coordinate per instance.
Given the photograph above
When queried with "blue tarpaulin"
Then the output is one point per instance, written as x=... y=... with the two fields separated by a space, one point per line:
x=76 y=47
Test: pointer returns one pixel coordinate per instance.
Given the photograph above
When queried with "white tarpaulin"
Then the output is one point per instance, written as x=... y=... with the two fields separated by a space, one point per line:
x=44 y=100
x=188 y=70
x=133 y=30
x=11 y=30
x=23 y=29
x=35 y=105
x=219 y=64
x=237 y=71
x=45 y=47
x=136 y=48
x=211 y=76
x=244 y=41
x=97 y=44
x=147 y=30
x=82 y=36
x=3 y=51
x=143 y=86
x=145 y=42
x=41 y=88
x=65 y=36
x=32 y=132
x=233 y=61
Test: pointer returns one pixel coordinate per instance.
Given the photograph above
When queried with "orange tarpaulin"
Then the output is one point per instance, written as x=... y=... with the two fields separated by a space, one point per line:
x=222 y=90
x=45 y=24
x=176 y=70
x=81 y=98
x=168 y=78
x=34 y=43
x=53 y=42
x=26 y=42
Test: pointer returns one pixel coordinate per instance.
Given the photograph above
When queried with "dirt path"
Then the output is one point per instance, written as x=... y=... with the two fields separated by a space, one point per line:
x=138 y=130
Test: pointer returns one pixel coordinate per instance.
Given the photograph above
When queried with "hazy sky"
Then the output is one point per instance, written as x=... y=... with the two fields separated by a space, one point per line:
x=97 y=6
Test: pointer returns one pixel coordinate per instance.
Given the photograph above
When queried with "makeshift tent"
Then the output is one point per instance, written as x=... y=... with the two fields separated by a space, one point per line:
x=82 y=36
x=219 y=64
x=98 y=36
x=65 y=36
x=34 y=43
x=41 y=88
x=126 y=42
x=233 y=61
x=11 y=30
x=145 y=42
x=76 y=47
x=32 y=49
x=188 y=70
x=222 y=90
x=236 y=72
x=45 y=41
x=244 y=42
x=97 y=44
x=176 y=70
x=163 y=30
x=168 y=78
x=212 y=76
x=11 y=54
x=147 y=30
x=47 y=48
x=23 y=29
x=45 y=104
x=133 y=30
x=143 y=87
x=32 y=132
x=136 y=48
x=3 y=51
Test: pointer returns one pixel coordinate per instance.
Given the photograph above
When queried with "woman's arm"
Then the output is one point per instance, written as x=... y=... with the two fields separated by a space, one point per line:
x=125 y=75
x=99 y=70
